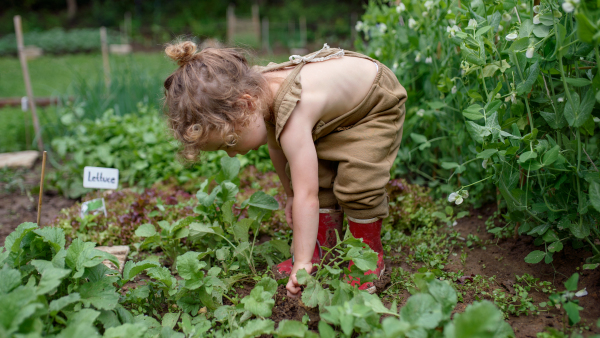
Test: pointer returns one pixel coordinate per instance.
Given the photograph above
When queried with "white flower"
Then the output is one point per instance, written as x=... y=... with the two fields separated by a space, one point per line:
x=536 y=19
x=561 y=99
x=453 y=30
x=382 y=27
x=425 y=13
x=463 y=72
x=454 y=90
x=359 y=26
x=581 y=293
x=400 y=8
x=452 y=197
x=428 y=59
x=465 y=193
x=455 y=223
x=512 y=36
x=412 y=23
x=569 y=5
x=529 y=52
x=484 y=163
x=506 y=17
x=421 y=112
x=395 y=66
x=452 y=22
x=449 y=11
x=472 y=24
x=459 y=200
x=418 y=57
x=378 y=52
x=498 y=96
x=428 y=4
x=512 y=97
x=500 y=28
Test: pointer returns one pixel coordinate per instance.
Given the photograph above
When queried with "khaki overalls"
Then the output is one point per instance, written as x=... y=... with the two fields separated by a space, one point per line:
x=355 y=150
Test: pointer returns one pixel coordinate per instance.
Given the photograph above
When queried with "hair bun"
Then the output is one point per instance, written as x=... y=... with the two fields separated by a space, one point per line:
x=181 y=52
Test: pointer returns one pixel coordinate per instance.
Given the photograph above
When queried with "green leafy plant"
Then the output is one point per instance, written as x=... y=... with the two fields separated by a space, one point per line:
x=503 y=103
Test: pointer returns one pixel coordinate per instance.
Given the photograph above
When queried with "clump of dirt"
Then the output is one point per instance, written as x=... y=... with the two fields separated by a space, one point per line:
x=293 y=309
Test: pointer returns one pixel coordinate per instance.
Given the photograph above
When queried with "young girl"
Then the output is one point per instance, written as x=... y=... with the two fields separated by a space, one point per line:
x=333 y=124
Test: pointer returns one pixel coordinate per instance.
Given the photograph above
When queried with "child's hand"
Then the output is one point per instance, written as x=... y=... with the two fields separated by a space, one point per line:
x=293 y=288
x=288 y=211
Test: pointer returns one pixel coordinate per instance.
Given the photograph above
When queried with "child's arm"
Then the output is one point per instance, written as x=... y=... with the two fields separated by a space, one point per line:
x=279 y=161
x=299 y=149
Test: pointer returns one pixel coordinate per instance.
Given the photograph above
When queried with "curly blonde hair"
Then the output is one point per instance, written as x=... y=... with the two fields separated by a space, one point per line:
x=206 y=92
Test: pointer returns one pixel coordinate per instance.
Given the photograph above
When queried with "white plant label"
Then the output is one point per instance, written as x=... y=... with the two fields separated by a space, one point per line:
x=100 y=178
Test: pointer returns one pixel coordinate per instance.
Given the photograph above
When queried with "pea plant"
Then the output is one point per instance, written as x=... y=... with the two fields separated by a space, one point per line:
x=514 y=87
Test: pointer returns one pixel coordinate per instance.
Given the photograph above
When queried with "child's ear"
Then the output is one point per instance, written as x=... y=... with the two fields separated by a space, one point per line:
x=250 y=101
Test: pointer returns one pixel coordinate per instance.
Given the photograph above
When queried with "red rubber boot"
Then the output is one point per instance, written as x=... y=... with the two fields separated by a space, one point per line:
x=370 y=232
x=330 y=220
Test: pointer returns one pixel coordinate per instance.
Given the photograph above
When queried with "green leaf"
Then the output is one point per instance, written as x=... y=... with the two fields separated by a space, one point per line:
x=13 y=241
x=257 y=327
x=145 y=230
x=264 y=201
x=595 y=195
x=483 y=30
x=572 y=310
x=554 y=120
x=51 y=276
x=555 y=247
x=436 y=104
x=241 y=229
x=81 y=324
x=170 y=319
x=227 y=212
x=259 y=302
x=226 y=192
x=572 y=111
x=230 y=168
x=473 y=112
x=480 y=319
x=163 y=275
x=126 y=330
x=580 y=229
x=450 y=165
x=418 y=138
x=550 y=156
x=9 y=279
x=101 y=294
x=541 y=31
x=578 y=82
x=492 y=107
x=477 y=132
x=190 y=268
x=422 y=310
x=364 y=258
x=268 y=284
x=525 y=86
x=53 y=236
x=487 y=153
x=586 y=30
x=291 y=328
x=519 y=44
x=535 y=257
x=527 y=156
x=132 y=269
x=550 y=236
x=58 y=304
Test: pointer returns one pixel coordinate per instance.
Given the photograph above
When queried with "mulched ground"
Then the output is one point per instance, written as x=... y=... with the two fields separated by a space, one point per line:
x=503 y=259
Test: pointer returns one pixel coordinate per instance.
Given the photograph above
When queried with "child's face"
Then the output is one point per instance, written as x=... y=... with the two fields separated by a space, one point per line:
x=250 y=138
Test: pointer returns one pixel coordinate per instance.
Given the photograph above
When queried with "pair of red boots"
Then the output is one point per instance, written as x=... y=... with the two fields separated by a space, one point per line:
x=331 y=220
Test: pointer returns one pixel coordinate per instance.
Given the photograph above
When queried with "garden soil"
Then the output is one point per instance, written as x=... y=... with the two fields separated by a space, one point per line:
x=505 y=258
x=19 y=203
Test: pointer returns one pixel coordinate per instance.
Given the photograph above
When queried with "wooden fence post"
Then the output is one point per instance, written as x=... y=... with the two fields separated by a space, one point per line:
x=256 y=22
x=20 y=46
x=105 y=62
x=230 y=23
x=265 y=36
x=303 y=31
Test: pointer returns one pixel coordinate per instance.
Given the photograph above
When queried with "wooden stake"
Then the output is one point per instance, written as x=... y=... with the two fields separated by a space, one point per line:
x=105 y=56
x=39 y=213
x=20 y=47
x=230 y=23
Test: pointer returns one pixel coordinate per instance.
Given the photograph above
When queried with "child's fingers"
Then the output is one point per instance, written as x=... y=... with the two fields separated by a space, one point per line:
x=293 y=289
